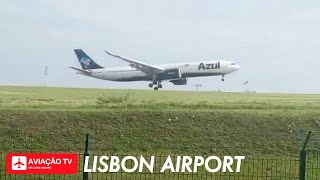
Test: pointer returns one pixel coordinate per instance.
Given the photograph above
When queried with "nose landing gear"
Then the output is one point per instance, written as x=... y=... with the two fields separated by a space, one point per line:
x=222 y=79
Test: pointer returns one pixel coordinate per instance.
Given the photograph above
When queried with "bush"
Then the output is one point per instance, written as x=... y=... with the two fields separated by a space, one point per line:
x=110 y=100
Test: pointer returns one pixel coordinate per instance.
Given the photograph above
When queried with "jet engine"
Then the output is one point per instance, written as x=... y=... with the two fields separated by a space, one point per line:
x=182 y=81
x=170 y=74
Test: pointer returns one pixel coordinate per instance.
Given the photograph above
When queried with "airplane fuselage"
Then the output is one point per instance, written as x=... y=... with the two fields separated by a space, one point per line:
x=193 y=69
x=177 y=73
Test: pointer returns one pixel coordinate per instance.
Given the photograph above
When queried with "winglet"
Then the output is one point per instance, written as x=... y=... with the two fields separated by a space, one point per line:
x=108 y=52
x=114 y=55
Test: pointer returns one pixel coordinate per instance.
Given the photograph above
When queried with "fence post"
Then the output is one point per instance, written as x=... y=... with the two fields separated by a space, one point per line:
x=303 y=157
x=86 y=153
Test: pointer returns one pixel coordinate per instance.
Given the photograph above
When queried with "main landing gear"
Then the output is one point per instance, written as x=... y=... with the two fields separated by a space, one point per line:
x=155 y=83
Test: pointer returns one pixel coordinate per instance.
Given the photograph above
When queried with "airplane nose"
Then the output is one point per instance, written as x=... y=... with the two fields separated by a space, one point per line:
x=236 y=67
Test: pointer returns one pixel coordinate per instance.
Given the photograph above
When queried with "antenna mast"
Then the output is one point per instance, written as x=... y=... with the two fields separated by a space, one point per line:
x=46 y=77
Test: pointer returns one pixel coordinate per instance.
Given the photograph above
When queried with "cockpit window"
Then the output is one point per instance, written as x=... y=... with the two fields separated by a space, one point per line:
x=233 y=63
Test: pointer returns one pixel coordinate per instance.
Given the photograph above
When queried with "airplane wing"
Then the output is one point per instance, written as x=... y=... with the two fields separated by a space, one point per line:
x=146 y=68
x=18 y=163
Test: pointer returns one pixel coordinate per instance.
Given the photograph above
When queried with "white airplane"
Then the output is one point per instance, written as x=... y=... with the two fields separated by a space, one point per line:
x=177 y=73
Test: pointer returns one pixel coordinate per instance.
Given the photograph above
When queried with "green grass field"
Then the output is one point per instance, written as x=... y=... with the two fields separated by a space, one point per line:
x=133 y=122
x=201 y=122
x=73 y=98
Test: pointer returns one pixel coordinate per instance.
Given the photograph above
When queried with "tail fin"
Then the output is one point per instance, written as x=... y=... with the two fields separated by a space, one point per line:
x=85 y=61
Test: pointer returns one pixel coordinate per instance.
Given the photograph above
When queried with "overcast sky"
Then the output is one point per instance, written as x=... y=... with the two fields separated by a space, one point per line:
x=277 y=43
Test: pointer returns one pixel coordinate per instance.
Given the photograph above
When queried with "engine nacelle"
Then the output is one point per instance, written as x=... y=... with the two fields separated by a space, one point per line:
x=182 y=81
x=170 y=74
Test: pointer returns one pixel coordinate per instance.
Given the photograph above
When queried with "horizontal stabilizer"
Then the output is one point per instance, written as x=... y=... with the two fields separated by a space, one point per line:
x=81 y=71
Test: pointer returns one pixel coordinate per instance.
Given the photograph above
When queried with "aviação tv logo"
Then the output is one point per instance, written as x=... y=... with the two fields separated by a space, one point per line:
x=42 y=163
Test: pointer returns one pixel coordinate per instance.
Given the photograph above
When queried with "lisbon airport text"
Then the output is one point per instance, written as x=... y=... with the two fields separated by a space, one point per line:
x=184 y=164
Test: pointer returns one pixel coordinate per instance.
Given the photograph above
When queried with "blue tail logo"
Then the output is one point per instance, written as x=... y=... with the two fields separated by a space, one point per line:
x=85 y=61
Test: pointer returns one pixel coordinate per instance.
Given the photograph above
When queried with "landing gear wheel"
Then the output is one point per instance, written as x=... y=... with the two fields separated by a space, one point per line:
x=222 y=79
x=150 y=85
x=156 y=88
x=160 y=86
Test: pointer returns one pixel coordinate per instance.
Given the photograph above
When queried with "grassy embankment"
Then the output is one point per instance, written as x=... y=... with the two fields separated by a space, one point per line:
x=156 y=121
